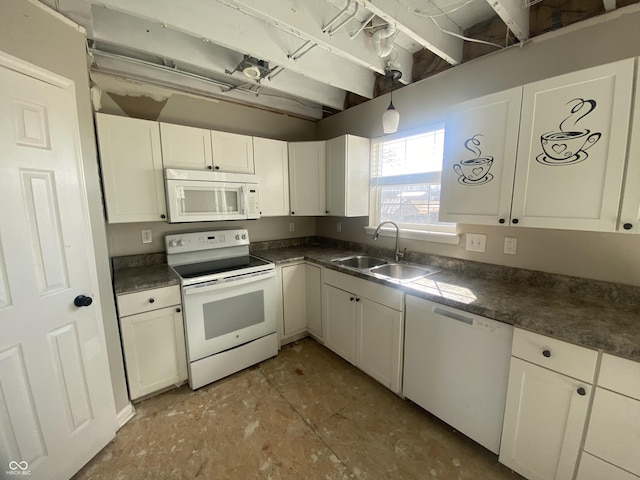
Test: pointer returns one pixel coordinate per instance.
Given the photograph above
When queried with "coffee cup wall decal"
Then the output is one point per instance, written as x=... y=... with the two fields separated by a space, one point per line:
x=474 y=171
x=570 y=143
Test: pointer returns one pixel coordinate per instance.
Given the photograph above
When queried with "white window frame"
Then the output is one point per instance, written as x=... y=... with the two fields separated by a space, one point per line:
x=430 y=233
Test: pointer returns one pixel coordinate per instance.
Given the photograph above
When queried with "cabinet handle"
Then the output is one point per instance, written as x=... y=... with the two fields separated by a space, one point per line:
x=627 y=226
x=357 y=299
x=293 y=213
x=163 y=216
x=514 y=221
x=151 y=300
x=581 y=391
x=546 y=353
x=217 y=167
x=178 y=309
x=326 y=211
x=352 y=299
x=501 y=220
x=210 y=167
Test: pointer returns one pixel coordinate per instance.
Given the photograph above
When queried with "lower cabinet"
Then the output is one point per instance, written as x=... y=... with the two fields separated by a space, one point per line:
x=550 y=385
x=153 y=340
x=301 y=305
x=365 y=332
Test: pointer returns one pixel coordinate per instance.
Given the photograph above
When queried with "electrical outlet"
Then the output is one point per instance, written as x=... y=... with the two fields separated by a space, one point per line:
x=476 y=242
x=338 y=227
x=510 y=245
x=147 y=236
x=292 y=227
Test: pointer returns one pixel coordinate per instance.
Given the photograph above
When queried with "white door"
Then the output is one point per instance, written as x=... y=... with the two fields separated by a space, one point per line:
x=307 y=178
x=56 y=402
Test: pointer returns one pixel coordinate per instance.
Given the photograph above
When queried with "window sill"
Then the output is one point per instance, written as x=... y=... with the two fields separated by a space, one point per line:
x=435 y=237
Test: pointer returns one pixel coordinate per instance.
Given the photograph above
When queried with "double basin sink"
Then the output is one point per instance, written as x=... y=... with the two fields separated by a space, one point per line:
x=382 y=268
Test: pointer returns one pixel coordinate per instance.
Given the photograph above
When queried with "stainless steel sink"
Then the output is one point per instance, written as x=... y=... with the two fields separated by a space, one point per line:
x=401 y=271
x=360 y=261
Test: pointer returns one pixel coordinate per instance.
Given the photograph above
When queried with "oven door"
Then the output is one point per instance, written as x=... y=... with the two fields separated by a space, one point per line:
x=223 y=314
x=202 y=201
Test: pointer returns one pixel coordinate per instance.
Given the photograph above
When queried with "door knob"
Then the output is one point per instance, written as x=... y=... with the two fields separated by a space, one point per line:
x=82 y=301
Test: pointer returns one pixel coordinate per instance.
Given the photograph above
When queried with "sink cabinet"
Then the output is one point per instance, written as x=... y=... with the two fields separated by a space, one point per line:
x=363 y=323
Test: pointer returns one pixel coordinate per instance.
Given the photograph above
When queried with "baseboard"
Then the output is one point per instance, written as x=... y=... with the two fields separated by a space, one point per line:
x=125 y=415
x=293 y=338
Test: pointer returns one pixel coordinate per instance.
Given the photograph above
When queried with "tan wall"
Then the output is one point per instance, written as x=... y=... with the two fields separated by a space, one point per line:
x=610 y=257
x=28 y=31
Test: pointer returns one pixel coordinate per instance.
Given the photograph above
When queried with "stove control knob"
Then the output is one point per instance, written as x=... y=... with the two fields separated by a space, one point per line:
x=173 y=243
x=181 y=243
x=244 y=237
x=237 y=237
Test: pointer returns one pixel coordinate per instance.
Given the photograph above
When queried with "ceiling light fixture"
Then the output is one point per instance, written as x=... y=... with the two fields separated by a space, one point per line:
x=391 y=117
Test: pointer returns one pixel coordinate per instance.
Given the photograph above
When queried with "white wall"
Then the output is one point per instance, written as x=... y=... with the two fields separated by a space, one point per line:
x=31 y=33
x=610 y=257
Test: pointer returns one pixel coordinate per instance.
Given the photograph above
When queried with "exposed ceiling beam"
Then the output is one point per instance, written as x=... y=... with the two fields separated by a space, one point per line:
x=307 y=19
x=241 y=32
x=122 y=30
x=420 y=29
x=514 y=15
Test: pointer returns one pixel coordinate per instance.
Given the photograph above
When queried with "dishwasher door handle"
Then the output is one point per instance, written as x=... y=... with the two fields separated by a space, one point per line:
x=453 y=315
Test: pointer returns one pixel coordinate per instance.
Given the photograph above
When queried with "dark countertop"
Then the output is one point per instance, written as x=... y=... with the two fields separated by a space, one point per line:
x=143 y=277
x=592 y=321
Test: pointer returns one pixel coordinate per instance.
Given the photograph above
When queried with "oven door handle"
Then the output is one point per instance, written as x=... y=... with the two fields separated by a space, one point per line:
x=233 y=281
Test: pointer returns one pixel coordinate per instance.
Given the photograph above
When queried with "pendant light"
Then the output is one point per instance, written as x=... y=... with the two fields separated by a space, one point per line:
x=391 y=117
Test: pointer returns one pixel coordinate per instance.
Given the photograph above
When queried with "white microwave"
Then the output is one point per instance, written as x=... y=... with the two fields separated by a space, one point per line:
x=196 y=196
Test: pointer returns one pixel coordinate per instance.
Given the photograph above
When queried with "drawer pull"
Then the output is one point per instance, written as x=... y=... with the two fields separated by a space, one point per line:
x=151 y=300
x=352 y=299
x=178 y=310
x=581 y=391
x=453 y=315
x=546 y=353
x=357 y=299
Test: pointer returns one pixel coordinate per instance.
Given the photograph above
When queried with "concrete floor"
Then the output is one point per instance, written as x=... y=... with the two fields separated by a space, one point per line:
x=306 y=414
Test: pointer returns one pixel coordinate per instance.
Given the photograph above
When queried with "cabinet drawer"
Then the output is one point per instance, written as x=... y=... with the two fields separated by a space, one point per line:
x=388 y=296
x=147 y=300
x=614 y=430
x=592 y=468
x=620 y=375
x=572 y=360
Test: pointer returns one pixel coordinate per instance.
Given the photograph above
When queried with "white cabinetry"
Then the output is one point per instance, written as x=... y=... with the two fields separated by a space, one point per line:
x=613 y=437
x=272 y=168
x=300 y=308
x=186 y=147
x=131 y=164
x=307 y=178
x=480 y=159
x=232 y=152
x=547 y=400
x=347 y=176
x=152 y=340
x=629 y=220
x=364 y=331
x=572 y=148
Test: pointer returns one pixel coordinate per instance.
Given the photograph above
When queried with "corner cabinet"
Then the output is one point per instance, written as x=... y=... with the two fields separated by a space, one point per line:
x=479 y=159
x=131 y=164
x=548 y=395
x=272 y=168
x=307 y=178
x=153 y=343
x=348 y=176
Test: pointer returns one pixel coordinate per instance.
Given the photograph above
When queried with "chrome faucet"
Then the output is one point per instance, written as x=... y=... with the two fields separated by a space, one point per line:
x=397 y=254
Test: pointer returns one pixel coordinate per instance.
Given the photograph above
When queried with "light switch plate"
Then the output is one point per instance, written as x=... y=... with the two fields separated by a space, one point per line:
x=476 y=242
x=510 y=244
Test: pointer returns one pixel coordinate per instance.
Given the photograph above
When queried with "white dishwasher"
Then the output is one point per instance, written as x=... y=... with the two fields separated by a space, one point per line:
x=456 y=366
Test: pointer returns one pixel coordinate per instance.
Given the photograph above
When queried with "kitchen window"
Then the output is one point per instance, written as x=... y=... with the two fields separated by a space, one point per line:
x=405 y=184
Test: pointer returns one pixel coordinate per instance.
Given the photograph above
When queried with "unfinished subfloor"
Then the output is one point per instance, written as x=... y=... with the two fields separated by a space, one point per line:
x=306 y=414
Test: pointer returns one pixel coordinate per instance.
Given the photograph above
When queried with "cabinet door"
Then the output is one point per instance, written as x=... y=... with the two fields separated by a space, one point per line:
x=232 y=152
x=481 y=139
x=592 y=468
x=131 y=161
x=154 y=350
x=272 y=169
x=307 y=178
x=571 y=149
x=186 y=147
x=629 y=220
x=379 y=339
x=293 y=295
x=543 y=422
x=313 y=288
x=339 y=320
x=348 y=161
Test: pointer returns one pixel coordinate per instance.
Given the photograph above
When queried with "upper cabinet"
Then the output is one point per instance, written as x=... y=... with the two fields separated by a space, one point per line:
x=307 y=178
x=272 y=168
x=184 y=147
x=131 y=163
x=479 y=159
x=572 y=148
x=232 y=152
x=348 y=176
